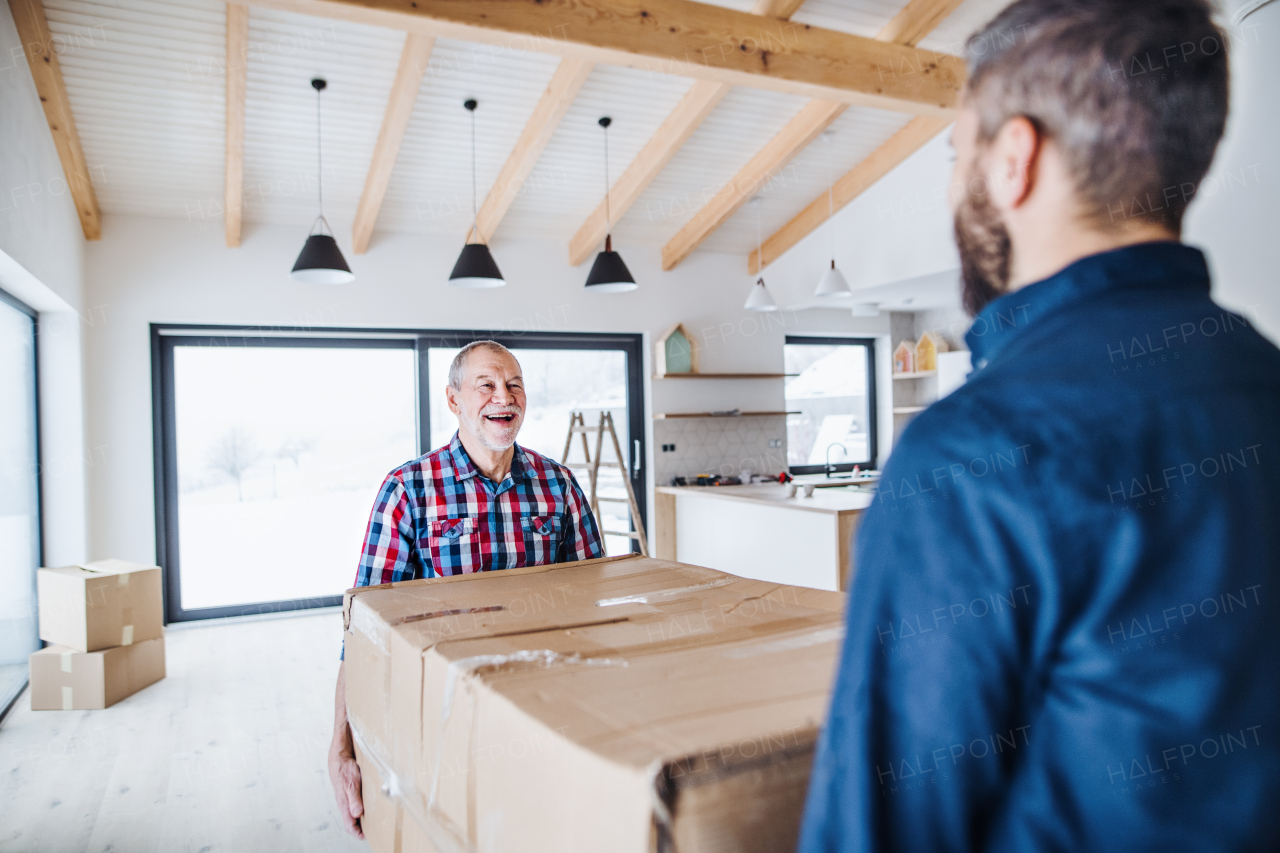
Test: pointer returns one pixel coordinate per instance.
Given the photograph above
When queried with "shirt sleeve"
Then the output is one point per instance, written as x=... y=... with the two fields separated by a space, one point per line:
x=927 y=722
x=581 y=540
x=388 y=553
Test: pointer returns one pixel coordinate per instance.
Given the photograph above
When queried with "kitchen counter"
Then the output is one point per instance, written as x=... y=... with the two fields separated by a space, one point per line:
x=758 y=532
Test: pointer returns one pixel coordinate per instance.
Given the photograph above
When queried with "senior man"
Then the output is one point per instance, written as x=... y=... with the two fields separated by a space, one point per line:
x=479 y=504
x=1063 y=631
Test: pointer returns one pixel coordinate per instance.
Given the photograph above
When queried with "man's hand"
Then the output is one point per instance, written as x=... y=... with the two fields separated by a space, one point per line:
x=345 y=775
x=343 y=770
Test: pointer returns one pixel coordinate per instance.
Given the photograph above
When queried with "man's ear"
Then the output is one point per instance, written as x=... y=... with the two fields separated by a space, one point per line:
x=450 y=395
x=1012 y=162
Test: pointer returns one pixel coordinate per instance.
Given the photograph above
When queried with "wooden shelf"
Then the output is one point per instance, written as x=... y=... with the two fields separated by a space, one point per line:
x=666 y=415
x=907 y=410
x=915 y=374
x=723 y=375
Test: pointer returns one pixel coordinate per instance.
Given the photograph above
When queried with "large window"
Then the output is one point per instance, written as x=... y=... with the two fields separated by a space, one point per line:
x=271 y=448
x=19 y=496
x=831 y=393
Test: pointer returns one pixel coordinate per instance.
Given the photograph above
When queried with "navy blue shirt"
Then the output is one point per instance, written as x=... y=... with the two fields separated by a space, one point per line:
x=1063 y=631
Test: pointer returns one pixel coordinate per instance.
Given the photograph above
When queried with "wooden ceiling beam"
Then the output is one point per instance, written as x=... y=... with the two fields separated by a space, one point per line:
x=680 y=37
x=37 y=39
x=916 y=20
x=414 y=57
x=849 y=186
x=675 y=131
x=910 y=25
x=552 y=106
x=237 y=73
x=815 y=117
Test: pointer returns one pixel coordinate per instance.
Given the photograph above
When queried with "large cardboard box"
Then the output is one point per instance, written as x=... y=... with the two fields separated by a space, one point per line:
x=63 y=679
x=628 y=705
x=100 y=604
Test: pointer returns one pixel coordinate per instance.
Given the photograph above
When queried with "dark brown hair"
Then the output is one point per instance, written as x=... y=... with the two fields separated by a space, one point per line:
x=1134 y=92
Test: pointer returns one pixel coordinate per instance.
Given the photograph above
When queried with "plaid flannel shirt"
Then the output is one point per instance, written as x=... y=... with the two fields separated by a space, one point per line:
x=437 y=515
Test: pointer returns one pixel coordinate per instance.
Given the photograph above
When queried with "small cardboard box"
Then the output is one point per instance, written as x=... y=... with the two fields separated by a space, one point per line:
x=63 y=679
x=99 y=605
x=630 y=704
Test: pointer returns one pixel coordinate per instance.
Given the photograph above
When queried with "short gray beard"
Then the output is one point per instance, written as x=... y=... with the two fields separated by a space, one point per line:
x=475 y=427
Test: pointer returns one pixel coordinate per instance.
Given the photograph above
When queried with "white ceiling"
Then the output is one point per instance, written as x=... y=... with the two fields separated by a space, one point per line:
x=146 y=82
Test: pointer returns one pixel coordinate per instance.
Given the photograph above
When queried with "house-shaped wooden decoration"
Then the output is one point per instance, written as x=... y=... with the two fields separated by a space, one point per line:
x=904 y=357
x=675 y=351
x=931 y=343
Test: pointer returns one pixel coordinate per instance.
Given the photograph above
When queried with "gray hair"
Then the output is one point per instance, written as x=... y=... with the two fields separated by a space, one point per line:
x=1134 y=94
x=459 y=366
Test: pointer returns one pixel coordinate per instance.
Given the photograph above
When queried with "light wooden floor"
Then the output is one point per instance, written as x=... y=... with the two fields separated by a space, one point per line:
x=225 y=754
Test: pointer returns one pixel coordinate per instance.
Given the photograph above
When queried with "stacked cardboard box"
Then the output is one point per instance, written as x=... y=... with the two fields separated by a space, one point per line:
x=106 y=622
x=623 y=704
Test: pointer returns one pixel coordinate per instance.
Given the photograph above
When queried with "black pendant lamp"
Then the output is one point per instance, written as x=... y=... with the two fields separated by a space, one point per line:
x=321 y=261
x=475 y=267
x=608 y=274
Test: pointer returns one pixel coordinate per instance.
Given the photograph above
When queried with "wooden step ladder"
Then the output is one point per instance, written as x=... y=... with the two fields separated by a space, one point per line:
x=593 y=464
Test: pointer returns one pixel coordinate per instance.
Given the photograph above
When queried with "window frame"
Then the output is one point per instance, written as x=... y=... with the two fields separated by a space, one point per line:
x=166 y=336
x=873 y=410
x=34 y=316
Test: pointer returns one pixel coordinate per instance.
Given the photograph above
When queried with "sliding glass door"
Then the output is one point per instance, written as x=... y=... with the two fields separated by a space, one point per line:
x=270 y=449
x=19 y=495
x=276 y=449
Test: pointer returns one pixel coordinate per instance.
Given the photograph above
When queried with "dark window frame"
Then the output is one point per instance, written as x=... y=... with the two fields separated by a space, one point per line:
x=23 y=308
x=873 y=417
x=166 y=336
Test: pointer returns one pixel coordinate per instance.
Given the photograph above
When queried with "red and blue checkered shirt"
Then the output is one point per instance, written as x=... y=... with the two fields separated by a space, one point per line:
x=438 y=515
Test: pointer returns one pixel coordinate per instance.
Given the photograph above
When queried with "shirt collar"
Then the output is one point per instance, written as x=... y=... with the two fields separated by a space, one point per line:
x=1157 y=265
x=465 y=469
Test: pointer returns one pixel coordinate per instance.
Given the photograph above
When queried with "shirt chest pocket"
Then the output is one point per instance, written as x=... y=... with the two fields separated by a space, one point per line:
x=542 y=535
x=454 y=546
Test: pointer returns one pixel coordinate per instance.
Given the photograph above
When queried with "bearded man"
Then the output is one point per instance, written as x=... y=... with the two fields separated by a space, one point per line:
x=1062 y=634
x=479 y=504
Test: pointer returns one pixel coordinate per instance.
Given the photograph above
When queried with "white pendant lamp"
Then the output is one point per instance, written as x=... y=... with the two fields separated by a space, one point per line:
x=608 y=274
x=476 y=267
x=320 y=261
x=759 y=299
x=832 y=283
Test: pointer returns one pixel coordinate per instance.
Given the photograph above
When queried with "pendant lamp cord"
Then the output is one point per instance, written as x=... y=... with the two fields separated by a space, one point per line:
x=319 y=167
x=831 y=206
x=759 y=242
x=608 y=218
x=475 y=213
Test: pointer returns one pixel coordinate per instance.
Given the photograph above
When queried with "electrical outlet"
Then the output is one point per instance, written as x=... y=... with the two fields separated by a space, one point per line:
x=668 y=448
x=775 y=442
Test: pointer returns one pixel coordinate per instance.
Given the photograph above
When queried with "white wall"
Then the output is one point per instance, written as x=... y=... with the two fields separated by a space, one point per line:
x=148 y=270
x=1235 y=219
x=41 y=256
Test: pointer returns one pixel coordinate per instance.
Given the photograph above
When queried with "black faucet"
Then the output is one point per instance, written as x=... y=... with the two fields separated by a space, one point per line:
x=831 y=469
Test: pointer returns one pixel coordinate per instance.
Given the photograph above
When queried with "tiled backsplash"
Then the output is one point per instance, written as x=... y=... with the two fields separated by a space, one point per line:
x=718 y=446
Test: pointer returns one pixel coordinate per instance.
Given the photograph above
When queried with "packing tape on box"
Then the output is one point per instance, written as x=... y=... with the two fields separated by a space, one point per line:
x=444 y=837
x=665 y=594
x=65 y=661
x=832 y=634
x=122 y=579
x=365 y=621
x=68 y=699
x=126 y=635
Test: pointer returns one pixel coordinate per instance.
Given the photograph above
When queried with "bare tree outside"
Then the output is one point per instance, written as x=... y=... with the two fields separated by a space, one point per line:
x=293 y=448
x=234 y=454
